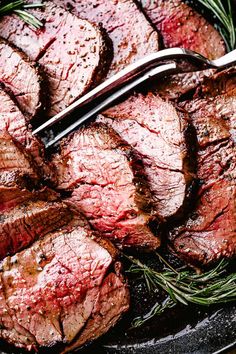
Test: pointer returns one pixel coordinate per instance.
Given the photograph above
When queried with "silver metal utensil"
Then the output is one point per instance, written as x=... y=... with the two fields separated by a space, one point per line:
x=129 y=78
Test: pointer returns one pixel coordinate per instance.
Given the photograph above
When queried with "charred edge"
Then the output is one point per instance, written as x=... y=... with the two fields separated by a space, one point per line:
x=38 y=72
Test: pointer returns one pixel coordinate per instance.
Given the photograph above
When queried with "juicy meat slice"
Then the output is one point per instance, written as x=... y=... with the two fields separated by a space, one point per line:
x=13 y=121
x=13 y=157
x=210 y=230
x=175 y=87
x=22 y=225
x=50 y=291
x=19 y=178
x=156 y=130
x=72 y=52
x=104 y=316
x=132 y=35
x=181 y=26
x=21 y=77
x=108 y=185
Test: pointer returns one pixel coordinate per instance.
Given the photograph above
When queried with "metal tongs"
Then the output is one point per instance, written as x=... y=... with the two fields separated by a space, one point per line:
x=128 y=79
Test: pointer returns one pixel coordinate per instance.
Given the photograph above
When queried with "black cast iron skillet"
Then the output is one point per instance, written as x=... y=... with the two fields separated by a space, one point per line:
x=182 y=330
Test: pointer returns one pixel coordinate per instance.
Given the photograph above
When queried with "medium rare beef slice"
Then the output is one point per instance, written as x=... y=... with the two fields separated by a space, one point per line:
x=210 y=231
x=13 y=121
x=72 y=52
x=107 y=185
x=104 y=315
x=132 y=35
x=21 y=77
x=156 y=130
x=175 y=87
x=19 y=178
x=60 y=284
x=22 y=225
x=181 y=26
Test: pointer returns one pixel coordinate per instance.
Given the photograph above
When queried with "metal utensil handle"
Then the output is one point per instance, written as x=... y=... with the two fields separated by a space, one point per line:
x=123 y=77
x=156 y=72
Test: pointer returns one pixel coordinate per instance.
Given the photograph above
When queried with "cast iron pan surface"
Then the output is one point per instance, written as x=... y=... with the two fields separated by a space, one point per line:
x=182 y=330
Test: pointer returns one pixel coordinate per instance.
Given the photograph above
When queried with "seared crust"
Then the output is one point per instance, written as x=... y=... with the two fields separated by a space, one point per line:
x=209 y=233
x=85 y=53
x=132 y=35
x=108 y=185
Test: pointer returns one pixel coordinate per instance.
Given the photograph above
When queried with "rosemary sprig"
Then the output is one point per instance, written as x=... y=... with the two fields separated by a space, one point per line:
x=225 y=16
x=185 y=286
x=20 y=8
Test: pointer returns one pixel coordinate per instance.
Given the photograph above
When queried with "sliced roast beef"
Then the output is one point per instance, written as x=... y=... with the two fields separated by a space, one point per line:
x=176 y=87
x=59 y=286
x=112 y=301
x=21 y=77
x=210 y=231
x=156 y=130
x=73 y=52
x=27 y=222
x=181 y=26
x=108 y=185
x=19 y=177
x=13 y=121
x=132 y=35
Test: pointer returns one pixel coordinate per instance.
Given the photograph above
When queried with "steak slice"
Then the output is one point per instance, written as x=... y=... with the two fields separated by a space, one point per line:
x=73 y=53
x=181 y=26
x=13 y=121
x=107 y=185
x=27 y=222
x=15 y=67
x=210 y=230
x=59 y=284
x=132 y=35
x=176 y=87
x=104 y=315
x=156 y=130
x=19 y=178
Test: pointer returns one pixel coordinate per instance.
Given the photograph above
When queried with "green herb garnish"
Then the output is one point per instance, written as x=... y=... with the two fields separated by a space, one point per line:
x=225 y=16
x=185 y=286
x=20 y=8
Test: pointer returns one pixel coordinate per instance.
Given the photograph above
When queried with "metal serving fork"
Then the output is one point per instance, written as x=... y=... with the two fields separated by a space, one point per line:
x=129 y=78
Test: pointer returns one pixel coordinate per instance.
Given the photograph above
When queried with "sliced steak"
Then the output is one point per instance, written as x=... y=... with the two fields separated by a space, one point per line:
x=59 y=286
x=27 y=222
x=73 y=52
x=19 y=178
x=156 y=130
x=113 y=292
x=132 y=35
x=13 y=121
x=108 y=185
x=21 y=77
x=210 y=231
x=181 y=26
x=175 y=87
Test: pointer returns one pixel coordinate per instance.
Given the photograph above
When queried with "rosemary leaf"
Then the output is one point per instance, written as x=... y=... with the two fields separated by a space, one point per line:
x=184 y=286
x=225 y=16
x=20 y=8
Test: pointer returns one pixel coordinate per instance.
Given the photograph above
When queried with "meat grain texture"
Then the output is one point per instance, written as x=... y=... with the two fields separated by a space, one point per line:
x=209 y=233
x=55 y=292
x=73 y=53
x=108 y=185
x=157 y=132
x=131 y=33
x=181 y=26
x=21 y=77
x=14 y=122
